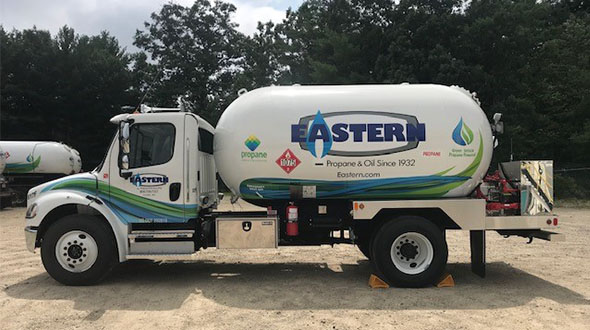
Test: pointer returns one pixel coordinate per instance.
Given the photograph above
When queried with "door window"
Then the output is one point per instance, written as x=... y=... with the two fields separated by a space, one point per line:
x=150 y=144
x=205 y=141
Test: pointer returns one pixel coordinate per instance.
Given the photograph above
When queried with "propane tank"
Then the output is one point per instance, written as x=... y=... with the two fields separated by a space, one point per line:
x=359 y=142
x=292 y=220
x=40 y=157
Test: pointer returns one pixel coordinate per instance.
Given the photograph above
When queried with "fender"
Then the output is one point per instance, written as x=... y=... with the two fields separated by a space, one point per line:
x=51 y=200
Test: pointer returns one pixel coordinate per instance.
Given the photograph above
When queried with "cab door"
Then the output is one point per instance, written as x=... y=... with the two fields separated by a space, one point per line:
x=151 y=190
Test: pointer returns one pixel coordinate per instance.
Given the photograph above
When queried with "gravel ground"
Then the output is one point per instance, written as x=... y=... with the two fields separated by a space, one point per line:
x=541 y=285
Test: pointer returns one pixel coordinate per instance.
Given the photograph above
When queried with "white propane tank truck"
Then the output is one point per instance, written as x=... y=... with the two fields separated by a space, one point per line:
x=389 y=168
x=29 y=163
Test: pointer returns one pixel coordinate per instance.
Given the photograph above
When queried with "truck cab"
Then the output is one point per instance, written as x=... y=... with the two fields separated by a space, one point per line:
x=160 y=168
x=156 y=179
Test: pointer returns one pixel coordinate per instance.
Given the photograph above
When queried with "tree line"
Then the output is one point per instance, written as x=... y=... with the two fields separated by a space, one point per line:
x=529 y=59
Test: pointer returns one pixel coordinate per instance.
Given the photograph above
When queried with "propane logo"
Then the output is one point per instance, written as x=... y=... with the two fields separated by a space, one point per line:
x=288 y=161
x=148 y=180
x=351 y=133
x=462 y=134
x=252 y=142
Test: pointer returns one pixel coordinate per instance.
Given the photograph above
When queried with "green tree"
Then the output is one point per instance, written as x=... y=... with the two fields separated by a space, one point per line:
x=64 y=88
x=263 y=58
x=558 y=86
x=331 y=41
x=197 y=53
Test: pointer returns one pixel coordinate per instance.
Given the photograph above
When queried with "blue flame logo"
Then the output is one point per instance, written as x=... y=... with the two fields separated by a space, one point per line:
x=136 y=180
x=319 y=130
x=462 y=134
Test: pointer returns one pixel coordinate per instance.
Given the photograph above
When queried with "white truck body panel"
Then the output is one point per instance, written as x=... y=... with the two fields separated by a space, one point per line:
x=520 y=222
x=51 y=195
x=468 y=214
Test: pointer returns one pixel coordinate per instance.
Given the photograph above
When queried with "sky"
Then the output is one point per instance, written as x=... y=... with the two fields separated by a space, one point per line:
x=122 y=17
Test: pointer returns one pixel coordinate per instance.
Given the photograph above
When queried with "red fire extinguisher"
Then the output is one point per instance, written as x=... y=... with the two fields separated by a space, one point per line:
x=292 y=220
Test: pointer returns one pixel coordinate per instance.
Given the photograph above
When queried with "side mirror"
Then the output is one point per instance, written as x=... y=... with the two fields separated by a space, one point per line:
x=125 y=131
x=125 y=147
x=125 y=162
x=124 y=150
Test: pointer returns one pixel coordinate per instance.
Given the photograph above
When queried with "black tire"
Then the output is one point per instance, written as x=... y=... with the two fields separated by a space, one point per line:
x=364 y=245
x=386 y=236
x=99 y=230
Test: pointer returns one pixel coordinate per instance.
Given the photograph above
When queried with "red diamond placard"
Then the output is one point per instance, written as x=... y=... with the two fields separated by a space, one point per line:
x=288 y=161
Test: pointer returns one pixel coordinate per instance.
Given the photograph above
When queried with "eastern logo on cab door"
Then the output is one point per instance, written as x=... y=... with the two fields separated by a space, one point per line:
x=148 y=180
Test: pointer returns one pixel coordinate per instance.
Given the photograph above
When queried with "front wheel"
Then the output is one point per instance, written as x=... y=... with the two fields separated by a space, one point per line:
x=78 y=250
x=410 y=252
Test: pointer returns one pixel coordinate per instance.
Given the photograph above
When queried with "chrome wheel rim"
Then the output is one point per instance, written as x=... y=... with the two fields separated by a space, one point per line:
x=412 y=253
x=76 y=251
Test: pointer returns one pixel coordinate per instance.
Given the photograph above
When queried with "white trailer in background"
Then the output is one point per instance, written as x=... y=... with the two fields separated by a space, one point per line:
x=389 y=168
x=29 y=163
x=6 y=194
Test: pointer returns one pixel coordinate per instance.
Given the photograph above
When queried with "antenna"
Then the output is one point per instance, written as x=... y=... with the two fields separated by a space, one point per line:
x=149 y=88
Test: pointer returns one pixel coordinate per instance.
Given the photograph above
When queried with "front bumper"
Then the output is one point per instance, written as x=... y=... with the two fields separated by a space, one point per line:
x=31 y=238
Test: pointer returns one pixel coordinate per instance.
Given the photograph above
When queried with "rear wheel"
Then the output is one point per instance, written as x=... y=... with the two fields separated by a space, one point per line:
x=410 y=252
x=79 y=250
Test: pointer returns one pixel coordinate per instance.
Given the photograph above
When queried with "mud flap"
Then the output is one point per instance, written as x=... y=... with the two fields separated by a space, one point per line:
x=477 y=240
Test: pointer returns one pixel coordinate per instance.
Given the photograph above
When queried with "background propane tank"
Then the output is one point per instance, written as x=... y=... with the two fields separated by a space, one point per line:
x=40 y=157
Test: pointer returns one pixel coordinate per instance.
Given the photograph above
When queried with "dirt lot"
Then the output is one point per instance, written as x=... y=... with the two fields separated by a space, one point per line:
x=541 y=285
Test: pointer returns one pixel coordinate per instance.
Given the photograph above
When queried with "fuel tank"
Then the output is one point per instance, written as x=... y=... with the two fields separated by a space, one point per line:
x=363 y=142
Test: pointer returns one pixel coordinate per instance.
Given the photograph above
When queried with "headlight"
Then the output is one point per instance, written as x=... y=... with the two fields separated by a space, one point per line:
x=31 y=211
